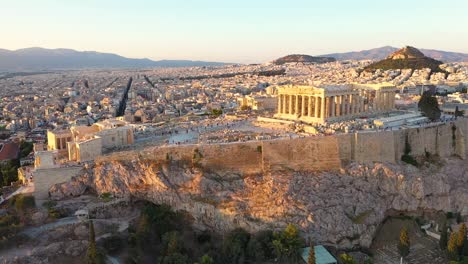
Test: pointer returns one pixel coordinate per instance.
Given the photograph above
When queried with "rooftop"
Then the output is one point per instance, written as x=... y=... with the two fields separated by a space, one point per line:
x=322 y=256
x=9 y=151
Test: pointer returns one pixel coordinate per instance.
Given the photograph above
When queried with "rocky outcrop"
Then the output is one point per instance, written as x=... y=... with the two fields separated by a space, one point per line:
x=298 y=58
x=343 y=208
x=406 y=58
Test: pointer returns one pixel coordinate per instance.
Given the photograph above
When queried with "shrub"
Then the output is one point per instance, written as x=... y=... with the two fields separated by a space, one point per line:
x=206 y=259
x=112 y=244
x=234 y=247
x=55 y=213
x=106 y=197
x=287 y=243
x=8 y=220
x=347 y=259
x=49 y=204
x=24 y=202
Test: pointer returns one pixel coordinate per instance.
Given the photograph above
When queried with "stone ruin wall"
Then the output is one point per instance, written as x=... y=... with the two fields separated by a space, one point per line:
x=318 y=153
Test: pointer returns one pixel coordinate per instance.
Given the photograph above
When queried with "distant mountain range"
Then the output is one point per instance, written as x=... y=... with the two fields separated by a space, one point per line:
x=382 y=53
x=35 y=59
x=302 y=58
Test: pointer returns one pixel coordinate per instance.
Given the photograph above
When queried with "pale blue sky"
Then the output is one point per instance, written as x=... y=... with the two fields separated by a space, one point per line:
x=233 y=31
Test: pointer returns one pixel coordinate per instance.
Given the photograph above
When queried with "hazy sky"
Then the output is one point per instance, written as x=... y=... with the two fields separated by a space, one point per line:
x=232 y=31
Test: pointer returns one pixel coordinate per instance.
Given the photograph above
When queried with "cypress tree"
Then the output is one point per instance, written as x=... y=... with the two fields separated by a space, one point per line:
x=404 y=243
x=443 y=237
x=452 y=248
x=461 y=239
x=311 y=258
x=91 y=254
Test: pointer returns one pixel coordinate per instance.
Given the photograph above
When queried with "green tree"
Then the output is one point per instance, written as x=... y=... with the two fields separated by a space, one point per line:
x=403 y=243
x=255 y=251
x=216 y=112
x=458 y=112
x=9 y=172
x=311 y=258
x=142 y=234
x=461 y=238
x=25 y=148
x=452 y=248
x=24 y=202
x=234 y=246
x=429 y=106
x=177 y=258
x=172 y=243
x=265 y=239
x=465 y=250
x=464 y=260
x=92 y=255
x=206 y=259
x=443 y=236
x=287 y=243
x=347 y=259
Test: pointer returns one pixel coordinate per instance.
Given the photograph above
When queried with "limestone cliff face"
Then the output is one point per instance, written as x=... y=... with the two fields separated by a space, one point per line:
x=343 y=208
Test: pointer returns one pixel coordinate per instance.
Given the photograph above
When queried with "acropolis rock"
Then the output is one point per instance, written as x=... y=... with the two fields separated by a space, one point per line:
x=343 y=208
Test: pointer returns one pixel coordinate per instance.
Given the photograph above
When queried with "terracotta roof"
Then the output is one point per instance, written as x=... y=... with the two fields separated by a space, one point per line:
x=9 y=151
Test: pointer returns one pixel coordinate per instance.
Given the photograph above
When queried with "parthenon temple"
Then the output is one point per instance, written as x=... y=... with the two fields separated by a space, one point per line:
x=330 y=103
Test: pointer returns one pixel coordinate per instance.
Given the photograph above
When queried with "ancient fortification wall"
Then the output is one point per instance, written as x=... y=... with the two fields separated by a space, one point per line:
x=311 y=153
x=44 y=178
x=314 y=153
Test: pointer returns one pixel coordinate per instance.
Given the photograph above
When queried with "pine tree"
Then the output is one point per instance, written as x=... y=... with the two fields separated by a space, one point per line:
x=311 y=258
x=452 y=248
x=404 y=243
x=443 y=237
x=206 y=259
x=91 y=254
x=461 y=238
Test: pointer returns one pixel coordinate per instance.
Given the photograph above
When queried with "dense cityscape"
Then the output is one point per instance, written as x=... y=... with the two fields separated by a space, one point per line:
x=222 y=132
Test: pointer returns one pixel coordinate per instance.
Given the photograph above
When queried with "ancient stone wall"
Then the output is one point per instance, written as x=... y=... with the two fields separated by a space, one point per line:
x=313 y=153
x=45 y=178
x=372 y=146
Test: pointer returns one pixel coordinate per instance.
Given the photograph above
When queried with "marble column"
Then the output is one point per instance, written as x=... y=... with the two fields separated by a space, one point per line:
x=384 y=100
x=332 y=105
x=279 y=104
x=348 y=104
x=309 y=106
x=322 y=107
x=338 y=106
x=284 y=104
x=303 y=106
x=363 y=104
x=316 y=107
x=391 y=98
x=343 y=105
x=296 y=104
x=290 y=104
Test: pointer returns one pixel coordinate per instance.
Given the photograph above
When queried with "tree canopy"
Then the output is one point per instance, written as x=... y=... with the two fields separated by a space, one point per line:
x=429 y=106
x=404 y=243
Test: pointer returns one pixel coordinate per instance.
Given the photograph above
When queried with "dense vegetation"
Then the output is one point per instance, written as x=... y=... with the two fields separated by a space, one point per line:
x=166 y=236
x=12 y=222
x=414 y=64
x=302 y=58
x=429 y=106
